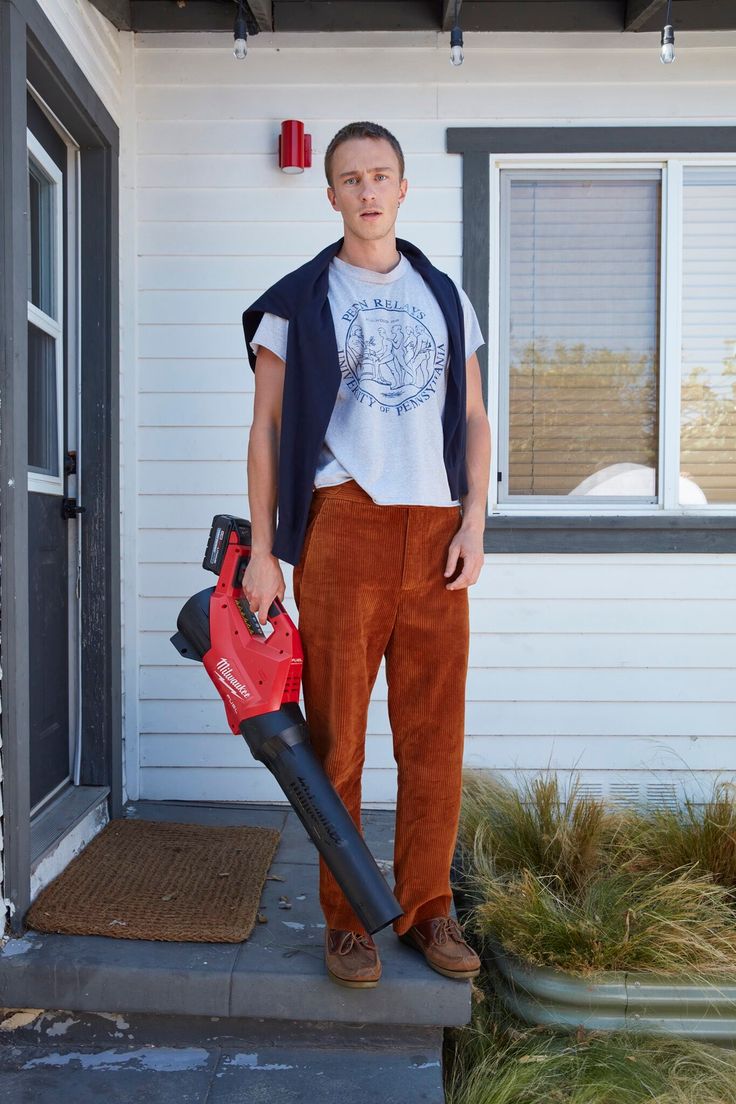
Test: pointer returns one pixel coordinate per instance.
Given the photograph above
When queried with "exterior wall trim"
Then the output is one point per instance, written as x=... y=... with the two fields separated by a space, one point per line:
x=31 y=50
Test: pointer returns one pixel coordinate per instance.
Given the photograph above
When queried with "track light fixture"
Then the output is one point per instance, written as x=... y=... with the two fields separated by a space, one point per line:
x=240 y=33
x=667 y=47
x=456 y=38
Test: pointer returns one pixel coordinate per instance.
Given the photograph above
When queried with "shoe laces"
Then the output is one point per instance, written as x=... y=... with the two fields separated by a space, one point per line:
x=448 y=928
x=350 y=938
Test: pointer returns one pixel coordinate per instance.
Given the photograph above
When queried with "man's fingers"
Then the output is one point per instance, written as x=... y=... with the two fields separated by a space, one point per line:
x=467 y=576
x=462 y=581
x=452 y=558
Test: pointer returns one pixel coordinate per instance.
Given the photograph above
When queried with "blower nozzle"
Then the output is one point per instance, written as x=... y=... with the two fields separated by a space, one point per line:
x=258 y=677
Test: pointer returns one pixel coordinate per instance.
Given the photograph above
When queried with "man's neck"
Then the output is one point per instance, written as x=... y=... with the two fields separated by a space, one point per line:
x=378 y=256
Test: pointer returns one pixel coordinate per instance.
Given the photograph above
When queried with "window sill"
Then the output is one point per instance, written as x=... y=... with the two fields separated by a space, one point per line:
x=598 y=533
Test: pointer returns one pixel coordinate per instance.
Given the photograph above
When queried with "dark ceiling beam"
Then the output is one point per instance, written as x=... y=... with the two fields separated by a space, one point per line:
x=687 y=15
x=356 y=15
x=639 y=12
x=262 y=11
x=194 y=15
x=448 y=13
x=477 y=15
x=117 y=11
x=542 y=15
x=421 y=15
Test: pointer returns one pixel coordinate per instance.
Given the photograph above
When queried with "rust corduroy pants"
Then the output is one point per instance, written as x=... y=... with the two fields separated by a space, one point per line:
x=370 y=582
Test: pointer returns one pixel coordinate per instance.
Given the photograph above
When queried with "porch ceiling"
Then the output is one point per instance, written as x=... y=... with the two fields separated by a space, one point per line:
x=420 y=15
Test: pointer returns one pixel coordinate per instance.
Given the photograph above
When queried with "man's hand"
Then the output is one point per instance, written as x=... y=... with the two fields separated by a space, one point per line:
x=263 y=580
x=466 y=545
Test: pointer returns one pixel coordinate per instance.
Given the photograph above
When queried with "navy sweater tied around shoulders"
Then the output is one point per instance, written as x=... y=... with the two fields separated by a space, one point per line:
x=312 y=379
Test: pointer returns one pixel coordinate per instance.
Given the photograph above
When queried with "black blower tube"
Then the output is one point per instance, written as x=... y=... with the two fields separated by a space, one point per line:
x=280 y=740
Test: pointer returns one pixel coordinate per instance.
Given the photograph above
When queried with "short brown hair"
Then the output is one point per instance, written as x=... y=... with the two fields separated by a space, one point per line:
x=362 y=130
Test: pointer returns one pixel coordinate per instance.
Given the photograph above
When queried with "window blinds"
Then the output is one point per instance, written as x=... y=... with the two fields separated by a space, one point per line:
x=582 y=267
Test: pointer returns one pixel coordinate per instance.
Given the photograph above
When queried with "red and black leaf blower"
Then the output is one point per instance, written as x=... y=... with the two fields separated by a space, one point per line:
x=258 y=676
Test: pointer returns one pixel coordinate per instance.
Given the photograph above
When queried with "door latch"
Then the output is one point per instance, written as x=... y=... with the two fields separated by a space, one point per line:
x=69 y=508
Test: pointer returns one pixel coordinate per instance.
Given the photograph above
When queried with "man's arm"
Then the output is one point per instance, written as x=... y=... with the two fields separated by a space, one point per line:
x=468 y=541
x=263 y=448
x=263 y=579
x=478 y=448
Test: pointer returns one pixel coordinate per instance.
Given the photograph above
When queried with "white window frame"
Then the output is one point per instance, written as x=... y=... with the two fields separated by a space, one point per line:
x=38 y=481
x=670 y=308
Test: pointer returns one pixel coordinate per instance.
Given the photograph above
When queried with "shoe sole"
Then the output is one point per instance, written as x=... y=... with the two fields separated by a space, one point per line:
x=460 y=975
x=352 y=984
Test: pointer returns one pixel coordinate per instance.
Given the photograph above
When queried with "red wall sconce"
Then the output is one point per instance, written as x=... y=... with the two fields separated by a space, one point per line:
x=295 y=147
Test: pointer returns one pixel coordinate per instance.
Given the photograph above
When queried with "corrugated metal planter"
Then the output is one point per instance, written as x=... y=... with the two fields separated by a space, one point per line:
x=617 y=1000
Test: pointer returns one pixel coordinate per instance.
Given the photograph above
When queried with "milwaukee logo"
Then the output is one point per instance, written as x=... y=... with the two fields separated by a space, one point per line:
x=225 y=672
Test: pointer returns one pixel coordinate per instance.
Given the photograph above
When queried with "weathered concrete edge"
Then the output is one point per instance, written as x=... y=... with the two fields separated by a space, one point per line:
x=203 y=979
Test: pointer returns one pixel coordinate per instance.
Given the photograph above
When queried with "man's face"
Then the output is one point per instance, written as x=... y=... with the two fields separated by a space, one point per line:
x=366 y=187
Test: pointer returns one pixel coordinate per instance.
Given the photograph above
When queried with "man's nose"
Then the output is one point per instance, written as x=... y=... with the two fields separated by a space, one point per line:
x=367 y=191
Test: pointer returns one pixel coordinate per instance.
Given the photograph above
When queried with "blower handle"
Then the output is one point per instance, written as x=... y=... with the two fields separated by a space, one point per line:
x=223 y=526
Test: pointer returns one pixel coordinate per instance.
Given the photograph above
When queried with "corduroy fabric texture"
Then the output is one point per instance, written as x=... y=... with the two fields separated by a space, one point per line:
x=370 y=581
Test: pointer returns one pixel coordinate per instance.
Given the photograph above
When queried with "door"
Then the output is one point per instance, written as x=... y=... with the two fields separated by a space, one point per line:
x=52 y=455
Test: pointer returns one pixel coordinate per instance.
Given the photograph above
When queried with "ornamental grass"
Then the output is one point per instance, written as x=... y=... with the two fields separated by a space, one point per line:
x=568 y=881
x=699 y=835
x=497 y=1060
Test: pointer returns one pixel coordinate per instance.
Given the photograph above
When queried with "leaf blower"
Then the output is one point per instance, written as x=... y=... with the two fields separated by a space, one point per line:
x=258 y=676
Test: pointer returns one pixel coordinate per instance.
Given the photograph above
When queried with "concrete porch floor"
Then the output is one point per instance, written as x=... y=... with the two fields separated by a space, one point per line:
x=276 y=974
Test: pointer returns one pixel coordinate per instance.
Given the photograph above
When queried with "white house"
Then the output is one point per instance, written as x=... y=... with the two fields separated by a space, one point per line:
x=583 y=192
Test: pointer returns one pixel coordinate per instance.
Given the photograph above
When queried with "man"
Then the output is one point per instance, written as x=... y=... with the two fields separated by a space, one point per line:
x=380 y=475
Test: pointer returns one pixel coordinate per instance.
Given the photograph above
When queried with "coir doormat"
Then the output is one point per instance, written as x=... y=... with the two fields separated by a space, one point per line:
x=149 y=879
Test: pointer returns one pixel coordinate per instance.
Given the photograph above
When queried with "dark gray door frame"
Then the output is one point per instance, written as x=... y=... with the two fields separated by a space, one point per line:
x=31 y=50
x=594 y=533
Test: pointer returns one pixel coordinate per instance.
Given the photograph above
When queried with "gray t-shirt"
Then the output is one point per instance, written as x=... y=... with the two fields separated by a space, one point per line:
x=385 y=431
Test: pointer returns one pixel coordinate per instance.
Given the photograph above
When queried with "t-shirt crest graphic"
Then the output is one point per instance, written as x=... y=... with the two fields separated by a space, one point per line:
x=386 y=428
x=398 y=360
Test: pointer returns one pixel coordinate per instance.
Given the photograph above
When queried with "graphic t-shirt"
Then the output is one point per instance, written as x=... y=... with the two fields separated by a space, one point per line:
x=385 y=431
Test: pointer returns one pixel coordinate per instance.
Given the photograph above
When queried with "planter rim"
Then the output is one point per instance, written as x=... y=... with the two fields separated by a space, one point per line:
x=627 y=1001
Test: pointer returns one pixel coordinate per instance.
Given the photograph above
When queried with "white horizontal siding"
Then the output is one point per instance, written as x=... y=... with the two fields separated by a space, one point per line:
x=531 y=615
x=94 y=43
x=621 y=666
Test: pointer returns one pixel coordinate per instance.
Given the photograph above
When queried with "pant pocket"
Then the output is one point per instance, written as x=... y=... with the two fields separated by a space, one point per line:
x=316 y=512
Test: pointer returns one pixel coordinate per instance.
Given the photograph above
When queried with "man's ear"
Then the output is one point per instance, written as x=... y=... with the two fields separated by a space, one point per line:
x=332 y=198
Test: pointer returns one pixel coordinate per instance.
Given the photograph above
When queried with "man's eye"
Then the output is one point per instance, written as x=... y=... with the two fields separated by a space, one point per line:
x=382 y=176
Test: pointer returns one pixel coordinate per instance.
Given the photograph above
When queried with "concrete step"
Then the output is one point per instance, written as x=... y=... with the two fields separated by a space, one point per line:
x=49 y=1056
x=278 y=973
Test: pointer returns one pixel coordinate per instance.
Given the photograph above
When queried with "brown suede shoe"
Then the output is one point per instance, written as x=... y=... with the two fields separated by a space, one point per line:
x=440 y=940
x=352 y=958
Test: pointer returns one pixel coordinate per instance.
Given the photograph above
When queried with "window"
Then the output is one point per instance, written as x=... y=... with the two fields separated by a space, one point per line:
x=579 y=367
x=602 y=264
x=583 y=366
x=45 y=335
